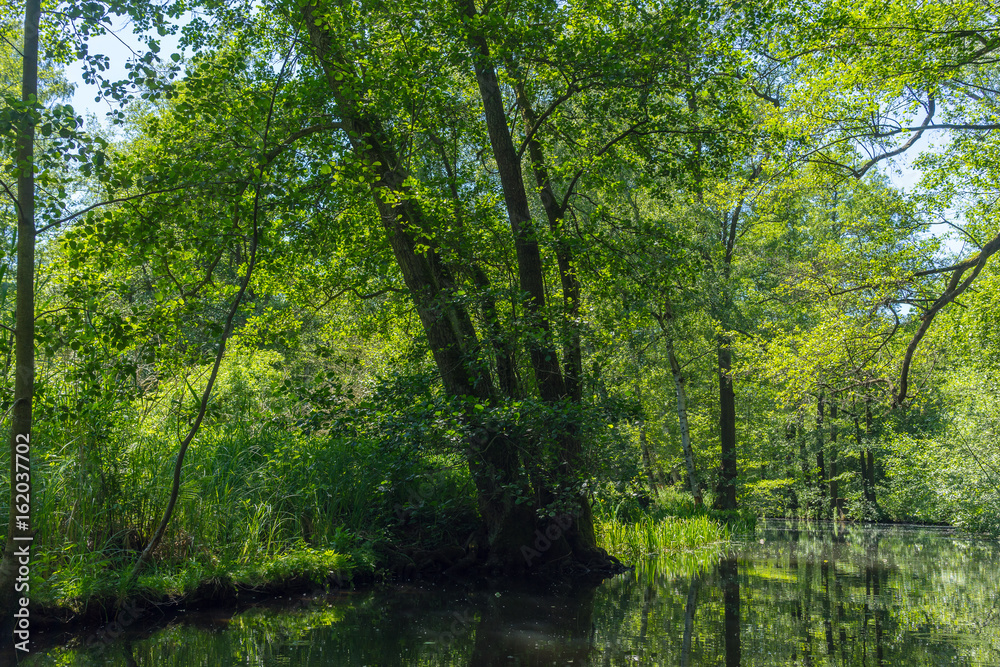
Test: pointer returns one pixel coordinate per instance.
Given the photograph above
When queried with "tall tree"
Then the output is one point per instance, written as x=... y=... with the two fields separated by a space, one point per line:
x=17 y=550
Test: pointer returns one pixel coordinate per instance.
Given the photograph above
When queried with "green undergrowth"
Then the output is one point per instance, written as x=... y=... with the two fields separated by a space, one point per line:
x=649 y=536
x=633 y=526
x=73 y=588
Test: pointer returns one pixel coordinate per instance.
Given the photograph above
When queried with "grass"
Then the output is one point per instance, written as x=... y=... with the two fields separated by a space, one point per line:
x=266 y=501
x=650 y=536
x=672 y=523
x=259 y=505
x=73 y=587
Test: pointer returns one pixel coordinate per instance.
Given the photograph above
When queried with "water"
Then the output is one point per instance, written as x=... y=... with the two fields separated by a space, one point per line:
x=789 y=595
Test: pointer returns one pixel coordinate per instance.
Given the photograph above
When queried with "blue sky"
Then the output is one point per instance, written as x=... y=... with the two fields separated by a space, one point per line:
x=117 y=47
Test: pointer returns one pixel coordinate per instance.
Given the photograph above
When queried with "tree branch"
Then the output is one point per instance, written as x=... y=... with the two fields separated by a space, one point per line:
x=955 y=287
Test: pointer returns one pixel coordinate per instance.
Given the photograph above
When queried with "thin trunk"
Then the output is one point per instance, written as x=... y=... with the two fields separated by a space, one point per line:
x=268 y=154
x=572 y=355
x=503 y=350
x=870 y=453
x=647 y=459
x=835 y=501
x=793 y=496
x=161 y=529
x=16 y=557
x=679 y=381
x=806 y=468
x=726 y=489
x=870 y=468
x=820 y=463
x=647 y=463
x=862 y=459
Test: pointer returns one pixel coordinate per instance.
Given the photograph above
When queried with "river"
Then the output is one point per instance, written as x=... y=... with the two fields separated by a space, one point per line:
x=791 y=594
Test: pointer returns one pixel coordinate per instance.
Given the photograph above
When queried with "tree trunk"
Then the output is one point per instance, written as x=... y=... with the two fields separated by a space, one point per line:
x=572 y=354
x=806 y=467
x=647 y=463
x=493 y=459
x=725 y=495
x=870 y=453
x=15 y=563
x=866 y=462
x=793 y=496
x=503 y=348
x=544 y=361
x=517 y=539
x=862 y=459
x=835 y=500
x=820 y=463
x=675 y=369
x=530 y=270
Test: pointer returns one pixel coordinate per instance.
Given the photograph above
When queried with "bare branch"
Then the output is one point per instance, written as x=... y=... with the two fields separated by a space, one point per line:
x=955 y=287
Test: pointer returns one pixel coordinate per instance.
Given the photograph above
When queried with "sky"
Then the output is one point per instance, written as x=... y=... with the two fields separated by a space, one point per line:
x=117 y=47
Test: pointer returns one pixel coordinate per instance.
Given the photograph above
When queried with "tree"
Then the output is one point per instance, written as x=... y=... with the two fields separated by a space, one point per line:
x=942 y=83
x=24 y=118
x=17 y=550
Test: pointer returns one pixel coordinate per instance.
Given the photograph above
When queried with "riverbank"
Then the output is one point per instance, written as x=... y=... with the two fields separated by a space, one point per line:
x=101 y=601
x=691 y=607
x=76 y=600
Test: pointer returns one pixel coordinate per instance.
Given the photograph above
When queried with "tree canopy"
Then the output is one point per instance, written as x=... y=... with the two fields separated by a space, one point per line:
x=548 y=253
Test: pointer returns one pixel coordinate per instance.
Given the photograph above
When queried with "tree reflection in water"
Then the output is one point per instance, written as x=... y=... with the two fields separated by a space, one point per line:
x=811 y=595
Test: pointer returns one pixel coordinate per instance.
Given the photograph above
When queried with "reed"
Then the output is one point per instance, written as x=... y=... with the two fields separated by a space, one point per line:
x=649 y=536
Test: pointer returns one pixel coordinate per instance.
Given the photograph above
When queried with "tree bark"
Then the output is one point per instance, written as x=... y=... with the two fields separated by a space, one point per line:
x=679 y=381
x=549 y=378
x=866 y=462
x=16 y=557
x=793 y=496
x=820 y=462
x=725 y=493
x=647 y=462
x=835 y=500
x=493 y=458
x=806 y=467
x=544 y=360
x=572 y=353
x=503 y=348
x=862 y=459
x=870 y=453
x=517 y=539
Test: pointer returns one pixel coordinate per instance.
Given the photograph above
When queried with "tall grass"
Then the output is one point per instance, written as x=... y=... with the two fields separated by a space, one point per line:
x=251 y=495
x=649 y=536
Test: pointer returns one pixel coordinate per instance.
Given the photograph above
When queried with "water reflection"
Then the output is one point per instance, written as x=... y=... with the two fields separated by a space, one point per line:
x=793 y=594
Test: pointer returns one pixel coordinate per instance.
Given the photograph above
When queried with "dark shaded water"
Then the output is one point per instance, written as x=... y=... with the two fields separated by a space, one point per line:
x=790 y=595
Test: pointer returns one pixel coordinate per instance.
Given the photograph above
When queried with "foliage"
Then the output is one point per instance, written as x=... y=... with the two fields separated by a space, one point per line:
x=648 y=536
x=707 y=278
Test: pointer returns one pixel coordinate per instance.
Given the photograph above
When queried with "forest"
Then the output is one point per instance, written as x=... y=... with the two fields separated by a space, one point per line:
x=329 y=291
